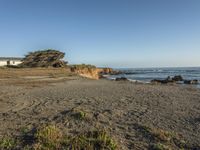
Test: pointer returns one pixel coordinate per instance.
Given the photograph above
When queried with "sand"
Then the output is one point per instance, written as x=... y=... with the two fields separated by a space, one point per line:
x=118 y=107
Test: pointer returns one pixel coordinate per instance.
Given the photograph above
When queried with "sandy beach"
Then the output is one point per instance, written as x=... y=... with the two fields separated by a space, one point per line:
x=123 y=109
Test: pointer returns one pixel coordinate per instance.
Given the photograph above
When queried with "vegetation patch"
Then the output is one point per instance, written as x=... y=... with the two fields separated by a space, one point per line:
x=44 y=58
x=8 y=143
x=163 y=140
x=79 y=115
x=51 y=137
x=98 y=140
x=82 y=66
x=159 y=146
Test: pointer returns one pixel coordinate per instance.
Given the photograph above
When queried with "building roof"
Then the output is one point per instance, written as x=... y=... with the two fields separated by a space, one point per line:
x=10 y=58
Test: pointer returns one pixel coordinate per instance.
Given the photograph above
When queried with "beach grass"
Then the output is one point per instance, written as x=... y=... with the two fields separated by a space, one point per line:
x=51 y=137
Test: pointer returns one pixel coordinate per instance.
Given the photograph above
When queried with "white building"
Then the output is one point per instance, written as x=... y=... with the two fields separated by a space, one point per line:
x=13 y=61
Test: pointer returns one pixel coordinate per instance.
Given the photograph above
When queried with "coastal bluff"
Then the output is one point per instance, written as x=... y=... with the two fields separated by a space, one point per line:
x=92 y=72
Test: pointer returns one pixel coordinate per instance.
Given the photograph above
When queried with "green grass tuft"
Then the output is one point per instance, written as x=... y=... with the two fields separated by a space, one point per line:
x=79 y=115
x=49 y=137
x=160 y=146
x=93 y=140
x=7 y=143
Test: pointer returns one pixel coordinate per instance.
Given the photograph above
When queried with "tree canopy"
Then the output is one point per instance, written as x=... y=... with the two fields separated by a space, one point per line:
x=44 y=58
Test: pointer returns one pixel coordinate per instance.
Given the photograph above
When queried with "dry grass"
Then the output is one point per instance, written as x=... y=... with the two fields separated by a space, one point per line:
x=163 y=140
x=34 y=77
x=24 y=72
x=49 y=137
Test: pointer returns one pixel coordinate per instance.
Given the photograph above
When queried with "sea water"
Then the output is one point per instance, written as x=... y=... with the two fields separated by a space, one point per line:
x=148 y=74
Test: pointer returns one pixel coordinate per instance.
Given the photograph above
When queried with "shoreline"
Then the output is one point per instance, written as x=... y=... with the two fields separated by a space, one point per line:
x=149 y=82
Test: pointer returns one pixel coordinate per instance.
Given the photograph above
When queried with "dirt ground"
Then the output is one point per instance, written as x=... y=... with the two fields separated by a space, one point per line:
x=123 y=109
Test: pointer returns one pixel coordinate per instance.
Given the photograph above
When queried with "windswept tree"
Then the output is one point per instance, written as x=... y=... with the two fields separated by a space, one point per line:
x=44 y=58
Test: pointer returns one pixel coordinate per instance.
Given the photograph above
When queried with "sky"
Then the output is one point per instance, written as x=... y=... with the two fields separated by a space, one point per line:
x=106 y=33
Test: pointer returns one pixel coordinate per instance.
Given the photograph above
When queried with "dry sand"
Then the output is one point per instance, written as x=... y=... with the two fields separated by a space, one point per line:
x=119 y=107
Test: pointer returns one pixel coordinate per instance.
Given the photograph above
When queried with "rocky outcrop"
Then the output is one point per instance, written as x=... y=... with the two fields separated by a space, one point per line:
x=87 y=71
x=121 y=79
x=168 y=80
x=165 y=81
x=108 y=71
x=175 y=79
x=191 y=81
x=90 y=71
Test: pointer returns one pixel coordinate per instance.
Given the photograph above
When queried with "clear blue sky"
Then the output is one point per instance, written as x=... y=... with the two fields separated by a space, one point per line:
x=115 y=33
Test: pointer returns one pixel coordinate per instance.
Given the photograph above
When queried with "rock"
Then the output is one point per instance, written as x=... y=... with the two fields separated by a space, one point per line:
x=108 y=71
x=165 y=81
x=114 y=72
x=191 y=82
x=168 y=80
x=88 y=71
x=157 y=81
x=177 y=78
x=91 y=71
x=121 y=79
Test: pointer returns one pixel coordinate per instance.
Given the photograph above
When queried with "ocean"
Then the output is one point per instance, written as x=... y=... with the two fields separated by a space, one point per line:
x=148 y=74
